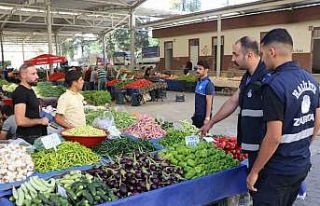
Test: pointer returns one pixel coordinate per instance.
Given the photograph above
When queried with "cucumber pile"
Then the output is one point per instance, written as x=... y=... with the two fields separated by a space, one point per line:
x=37 y=191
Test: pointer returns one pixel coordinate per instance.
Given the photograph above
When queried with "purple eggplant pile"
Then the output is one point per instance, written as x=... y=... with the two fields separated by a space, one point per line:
x=135 y=173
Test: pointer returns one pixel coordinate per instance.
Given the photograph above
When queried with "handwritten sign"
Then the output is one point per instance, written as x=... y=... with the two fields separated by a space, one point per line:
x=192 y=141
x=51 y=141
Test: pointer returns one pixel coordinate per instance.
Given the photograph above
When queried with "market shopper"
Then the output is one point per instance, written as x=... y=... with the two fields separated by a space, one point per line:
x=9 y=125
x=251 y=128
x=102 y=78
x=94 y=79
x=291 y=110
x=27 y=106
x=70 y=109
x=204 y=93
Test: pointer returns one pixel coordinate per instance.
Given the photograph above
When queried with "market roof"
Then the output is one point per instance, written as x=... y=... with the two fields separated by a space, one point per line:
x=256 y=7
x=25 y=20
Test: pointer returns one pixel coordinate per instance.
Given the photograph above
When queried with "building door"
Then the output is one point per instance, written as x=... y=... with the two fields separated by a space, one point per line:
x=168 y=54
x=215 y=51
x=316 y=50
x=194 y=51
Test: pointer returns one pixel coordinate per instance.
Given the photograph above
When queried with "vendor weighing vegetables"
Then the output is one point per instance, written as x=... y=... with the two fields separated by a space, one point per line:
x=70 y=110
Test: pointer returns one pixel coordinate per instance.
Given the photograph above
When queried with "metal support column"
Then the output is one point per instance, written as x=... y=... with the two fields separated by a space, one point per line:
x=23 y=56
x=218 y=46
x=104 y=48
x=2 y=52
x=49 y=26
x=56 y=43
x=132 y=39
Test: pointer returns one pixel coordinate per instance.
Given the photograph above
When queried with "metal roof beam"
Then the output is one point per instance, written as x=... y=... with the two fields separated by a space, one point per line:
x=137 y=4
x=7 y=18
x=221 y=11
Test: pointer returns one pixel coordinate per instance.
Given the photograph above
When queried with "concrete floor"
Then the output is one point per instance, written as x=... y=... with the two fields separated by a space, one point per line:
x=174 y=111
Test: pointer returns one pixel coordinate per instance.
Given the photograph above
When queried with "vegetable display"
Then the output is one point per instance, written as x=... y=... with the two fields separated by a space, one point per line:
x=137 y=173
x=123 y=83
x=3 y=82
x=173 y=136
x=188 y=78
x=37 y=191
x=84 y=189
x=123 y=119
x=177 y=134
x=229 y=145
x=141 y=83
x=46 y=89
x=15 y=163
x=84 y=131
x=123 y=145
x=91 y=115
x=9 y=87
x=201 y=160
x=113 y=82
x=97 y=98
x=145 y=128
x=68 y=154
x=164 y=124
x=187 y=127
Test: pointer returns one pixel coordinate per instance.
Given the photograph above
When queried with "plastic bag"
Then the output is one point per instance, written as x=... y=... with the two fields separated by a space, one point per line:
x=106 y=122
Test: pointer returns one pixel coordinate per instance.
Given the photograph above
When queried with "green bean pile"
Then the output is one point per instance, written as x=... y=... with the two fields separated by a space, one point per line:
x=68 y=154
x=123 y=145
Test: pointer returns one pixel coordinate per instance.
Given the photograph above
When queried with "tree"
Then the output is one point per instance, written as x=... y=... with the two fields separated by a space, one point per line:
x=186 y=5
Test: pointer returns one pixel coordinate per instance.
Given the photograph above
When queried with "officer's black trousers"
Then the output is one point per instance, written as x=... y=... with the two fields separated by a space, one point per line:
x=277 y=190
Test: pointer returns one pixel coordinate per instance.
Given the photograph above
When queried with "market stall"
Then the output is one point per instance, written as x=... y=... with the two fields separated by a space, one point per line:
x=129 y=169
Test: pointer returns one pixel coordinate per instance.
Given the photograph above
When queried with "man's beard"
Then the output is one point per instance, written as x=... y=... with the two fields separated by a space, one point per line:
x=236 y=63
x=33 y=83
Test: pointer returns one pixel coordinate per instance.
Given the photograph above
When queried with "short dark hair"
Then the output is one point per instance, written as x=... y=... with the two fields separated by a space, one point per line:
x=204 y=63
x=248 y=43
x=277 y=35
x=71 y=76
x=7 y=110
x=25 y=66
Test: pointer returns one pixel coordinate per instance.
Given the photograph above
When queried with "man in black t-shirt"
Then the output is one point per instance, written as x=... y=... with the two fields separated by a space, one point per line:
x=27 y=106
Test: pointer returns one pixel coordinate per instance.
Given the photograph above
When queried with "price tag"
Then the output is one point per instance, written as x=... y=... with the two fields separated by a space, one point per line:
x=51 y=141
x=62 y=191
x=192 y=141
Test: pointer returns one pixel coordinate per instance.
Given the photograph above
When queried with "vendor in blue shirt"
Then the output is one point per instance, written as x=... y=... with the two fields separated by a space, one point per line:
x=291 y=110
x=203 y=96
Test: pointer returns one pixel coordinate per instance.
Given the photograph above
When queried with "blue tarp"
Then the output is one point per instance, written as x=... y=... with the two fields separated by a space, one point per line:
x=200 y=191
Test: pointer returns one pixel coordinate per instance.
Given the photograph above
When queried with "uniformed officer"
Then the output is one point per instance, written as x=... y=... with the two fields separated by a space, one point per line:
x=251 y=128
x=203 y=96
x=291 y=110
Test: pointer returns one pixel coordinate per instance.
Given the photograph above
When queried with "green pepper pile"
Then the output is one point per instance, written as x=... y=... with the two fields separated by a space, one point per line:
x=68 y=154
x=201 y=160
x=123 y=120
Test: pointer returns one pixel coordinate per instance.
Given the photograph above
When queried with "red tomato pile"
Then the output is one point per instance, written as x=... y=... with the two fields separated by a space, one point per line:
x=229 y=145
x=141 y=83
